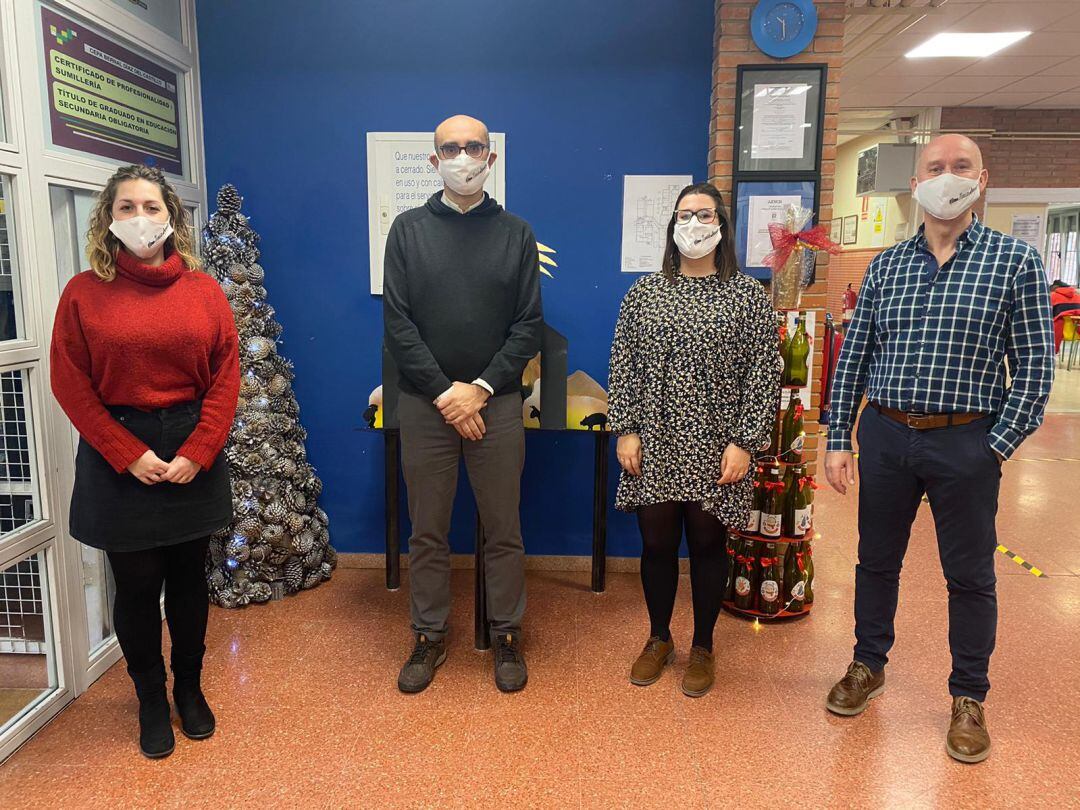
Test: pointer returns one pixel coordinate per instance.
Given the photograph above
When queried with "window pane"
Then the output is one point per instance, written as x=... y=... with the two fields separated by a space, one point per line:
x=164 y=15
x=98 y=592
x=27 y=659
x=18 y=470
x=11 y=313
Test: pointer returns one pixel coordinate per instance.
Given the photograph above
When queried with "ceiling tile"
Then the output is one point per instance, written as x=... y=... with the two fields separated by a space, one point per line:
x=1061 y=101
x=1006 y=99
x=1045 y=43
x=932 y=99
x=1069 y=24
x=1047 y=83
x=1010 y=15
x=1013 y=66
x=925 y=67
x=974 y=84
x=874 y=98
x=1068 y=67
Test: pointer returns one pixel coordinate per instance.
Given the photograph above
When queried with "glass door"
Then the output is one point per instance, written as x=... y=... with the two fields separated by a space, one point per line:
x=70 y=218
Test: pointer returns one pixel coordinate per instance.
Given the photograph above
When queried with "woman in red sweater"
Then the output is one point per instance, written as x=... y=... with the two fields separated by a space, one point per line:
x=145 y=363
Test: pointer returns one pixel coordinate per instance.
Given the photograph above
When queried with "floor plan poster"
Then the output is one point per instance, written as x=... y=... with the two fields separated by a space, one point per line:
x=648 y=200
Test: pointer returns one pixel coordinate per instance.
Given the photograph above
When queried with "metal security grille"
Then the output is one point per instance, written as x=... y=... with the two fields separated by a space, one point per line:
x=16 y=484
x=5 y=239
x=22 y=608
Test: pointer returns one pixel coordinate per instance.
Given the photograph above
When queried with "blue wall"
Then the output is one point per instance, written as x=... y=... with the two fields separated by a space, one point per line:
x=586 y=92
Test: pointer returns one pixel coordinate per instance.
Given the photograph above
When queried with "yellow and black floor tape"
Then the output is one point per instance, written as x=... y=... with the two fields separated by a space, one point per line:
x=1016 y=558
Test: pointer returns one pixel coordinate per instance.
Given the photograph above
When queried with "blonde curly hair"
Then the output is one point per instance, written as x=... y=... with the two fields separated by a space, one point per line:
x=102 y=245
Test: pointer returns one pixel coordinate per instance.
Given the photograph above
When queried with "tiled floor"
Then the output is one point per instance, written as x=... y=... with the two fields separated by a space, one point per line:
x=309 y=714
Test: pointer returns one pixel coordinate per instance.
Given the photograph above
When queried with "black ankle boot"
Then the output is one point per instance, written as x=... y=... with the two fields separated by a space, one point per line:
x=155 y=723
x=196 y=720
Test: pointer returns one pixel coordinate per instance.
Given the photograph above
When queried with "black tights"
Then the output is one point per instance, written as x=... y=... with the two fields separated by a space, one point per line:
x=661 y=532
x=139 y=576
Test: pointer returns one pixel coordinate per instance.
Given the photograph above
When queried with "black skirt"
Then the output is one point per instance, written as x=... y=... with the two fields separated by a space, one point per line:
x=117 y=512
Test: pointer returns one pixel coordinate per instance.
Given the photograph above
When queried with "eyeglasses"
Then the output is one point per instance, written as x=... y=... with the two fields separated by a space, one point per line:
x=706 y=216
x=474 y=149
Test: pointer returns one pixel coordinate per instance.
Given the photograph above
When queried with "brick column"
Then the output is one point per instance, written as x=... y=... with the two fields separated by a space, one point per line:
x=734 y=47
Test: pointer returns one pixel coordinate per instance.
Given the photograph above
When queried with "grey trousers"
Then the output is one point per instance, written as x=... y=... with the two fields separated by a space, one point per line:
x=430 y=451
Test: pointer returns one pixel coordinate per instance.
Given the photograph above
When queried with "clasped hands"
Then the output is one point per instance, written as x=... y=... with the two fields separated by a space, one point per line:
x=734 y=463
x=150 y=469
x=461 y=406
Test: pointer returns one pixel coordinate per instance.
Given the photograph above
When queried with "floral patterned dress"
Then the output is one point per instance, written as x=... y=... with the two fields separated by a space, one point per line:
x=695 y=366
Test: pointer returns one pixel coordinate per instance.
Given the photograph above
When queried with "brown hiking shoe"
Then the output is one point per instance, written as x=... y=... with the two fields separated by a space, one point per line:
x=853 y=692
x=968 y=739
x=650 y=664
x=699 y=674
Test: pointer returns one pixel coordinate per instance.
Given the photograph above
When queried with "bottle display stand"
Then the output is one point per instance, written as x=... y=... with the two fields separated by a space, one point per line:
x=770 y=561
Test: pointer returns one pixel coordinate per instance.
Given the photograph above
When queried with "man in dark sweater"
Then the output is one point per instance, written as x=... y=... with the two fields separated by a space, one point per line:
x=462 y=313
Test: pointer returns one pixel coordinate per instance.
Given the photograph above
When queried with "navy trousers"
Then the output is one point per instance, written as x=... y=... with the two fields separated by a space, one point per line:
x=960 y=475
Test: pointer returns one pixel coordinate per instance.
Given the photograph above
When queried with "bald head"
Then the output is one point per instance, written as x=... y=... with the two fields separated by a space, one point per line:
x=950 y=149
x=956 y=155
x=461 y=129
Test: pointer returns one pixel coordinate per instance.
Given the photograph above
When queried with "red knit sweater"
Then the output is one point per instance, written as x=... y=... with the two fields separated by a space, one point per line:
x=152 y=338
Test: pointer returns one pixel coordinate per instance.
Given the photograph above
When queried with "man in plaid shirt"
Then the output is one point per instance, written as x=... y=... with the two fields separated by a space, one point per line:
x=937 y=318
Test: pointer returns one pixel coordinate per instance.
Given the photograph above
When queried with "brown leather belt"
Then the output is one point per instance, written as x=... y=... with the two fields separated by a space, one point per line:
x=927 y=421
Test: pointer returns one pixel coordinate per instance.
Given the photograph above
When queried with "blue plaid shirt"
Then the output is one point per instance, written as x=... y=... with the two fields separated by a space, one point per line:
x=933 y=340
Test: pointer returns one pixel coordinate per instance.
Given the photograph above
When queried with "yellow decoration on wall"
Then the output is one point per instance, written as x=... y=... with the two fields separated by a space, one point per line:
x=546 y=259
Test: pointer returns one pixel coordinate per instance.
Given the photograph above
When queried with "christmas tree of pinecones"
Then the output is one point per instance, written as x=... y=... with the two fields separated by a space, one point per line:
x=279 y=540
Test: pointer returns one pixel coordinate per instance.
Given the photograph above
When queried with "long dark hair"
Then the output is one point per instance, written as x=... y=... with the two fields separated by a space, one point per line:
x=726 y=263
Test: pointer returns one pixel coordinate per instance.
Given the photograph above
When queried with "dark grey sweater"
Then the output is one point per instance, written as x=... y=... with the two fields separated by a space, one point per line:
x=461 y=297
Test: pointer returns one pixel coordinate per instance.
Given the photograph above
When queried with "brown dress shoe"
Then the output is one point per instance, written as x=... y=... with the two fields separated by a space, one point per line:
x=853 y=692
x=968 y=739
x=699 y=674
x=650 y=664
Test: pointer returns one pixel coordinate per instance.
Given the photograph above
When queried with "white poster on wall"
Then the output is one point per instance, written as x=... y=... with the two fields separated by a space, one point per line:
x=1028 y=227
x=401 y=177
x=779 y=115
x=648 y=200
x=804 y=392
x=764 y=210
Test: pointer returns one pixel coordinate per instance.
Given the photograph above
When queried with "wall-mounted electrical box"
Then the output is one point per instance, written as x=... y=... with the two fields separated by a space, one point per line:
x=885 y=170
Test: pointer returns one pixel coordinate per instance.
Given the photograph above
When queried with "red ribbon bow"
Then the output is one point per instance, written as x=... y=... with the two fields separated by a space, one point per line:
x=808 y=482
x=784 y=242
x=799 y=561
x=766 y=561
x=799 y=410
x=774 y=485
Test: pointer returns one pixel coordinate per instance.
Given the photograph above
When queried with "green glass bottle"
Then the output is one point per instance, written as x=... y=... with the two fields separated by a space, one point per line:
x=772 y=510
x=797 y=361
x=770 y=580
x=744 y=575
x=792 y=432
x=794 y=583
x=753 y=525
x=785 y=354
x=733 y=543
x=808 y=559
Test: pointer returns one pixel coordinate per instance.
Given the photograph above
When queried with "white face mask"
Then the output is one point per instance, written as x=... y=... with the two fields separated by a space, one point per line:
x=463 y=174
x=947 y=196
x=696 y=239
x=141 y=235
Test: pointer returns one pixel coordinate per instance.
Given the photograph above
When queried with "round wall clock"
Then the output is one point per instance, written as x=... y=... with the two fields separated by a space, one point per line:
x=783 y=28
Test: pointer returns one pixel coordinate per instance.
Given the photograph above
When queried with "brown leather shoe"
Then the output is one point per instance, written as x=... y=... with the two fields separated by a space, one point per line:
x=699 y=675
x=853 y=692
x=650 y=664
x=968 y=739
